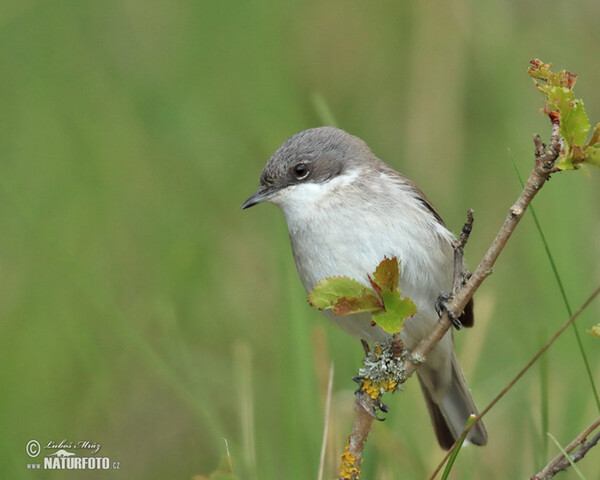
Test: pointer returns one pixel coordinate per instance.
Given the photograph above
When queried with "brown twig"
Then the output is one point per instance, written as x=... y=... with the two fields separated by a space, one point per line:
x=460 y=275
x=364 y=406
x=560 y=462
x=558 y=333
x=545 y=158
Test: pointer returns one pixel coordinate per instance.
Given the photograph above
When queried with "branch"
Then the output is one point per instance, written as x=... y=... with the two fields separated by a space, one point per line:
x=560 y=462
x=545 y=158
x=364 y=406
x=541 y=351
x=380 y=365
x=460 y=275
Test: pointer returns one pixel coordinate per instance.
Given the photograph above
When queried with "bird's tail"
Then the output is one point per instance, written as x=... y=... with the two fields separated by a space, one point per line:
x=450 y=412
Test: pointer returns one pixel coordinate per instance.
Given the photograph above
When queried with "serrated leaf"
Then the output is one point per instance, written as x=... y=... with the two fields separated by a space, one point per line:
x=397 y=310
x=386 y=275
x=344 y=295
x=574 y=123
x=541 y=71
x=347 y=296
x=331 y=289
x=566 y=163
x=367 y=302
x=559 y=98
x=569 y=113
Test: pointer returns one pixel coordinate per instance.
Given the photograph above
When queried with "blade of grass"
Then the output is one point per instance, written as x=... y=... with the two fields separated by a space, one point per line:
x=535 y=358
x=544 y=397
x=567 y=456
x=562 y=290
x=326 y=423
x=456 y=450
x=228 y=455
x=243 y=366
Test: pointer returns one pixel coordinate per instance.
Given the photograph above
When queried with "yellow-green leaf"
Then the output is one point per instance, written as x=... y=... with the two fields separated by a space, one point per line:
x=565 y=163
x=574 y=123
x=568 y=112
x=387 y=274
x=343 y=295
x=397 y=310
x=366 y=302
x=542 y=71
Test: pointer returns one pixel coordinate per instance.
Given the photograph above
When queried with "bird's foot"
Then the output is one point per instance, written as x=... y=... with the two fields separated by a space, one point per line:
x=441 y=305
x=365 y=346
x=370 y=404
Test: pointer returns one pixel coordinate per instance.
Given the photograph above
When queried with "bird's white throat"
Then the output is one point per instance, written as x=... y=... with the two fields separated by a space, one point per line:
x=302 y=202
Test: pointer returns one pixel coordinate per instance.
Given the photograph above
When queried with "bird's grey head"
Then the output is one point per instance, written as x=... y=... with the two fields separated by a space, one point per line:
x=313 y=156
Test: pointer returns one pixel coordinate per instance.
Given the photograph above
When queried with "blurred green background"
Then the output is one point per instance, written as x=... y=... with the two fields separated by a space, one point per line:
x=142 y=310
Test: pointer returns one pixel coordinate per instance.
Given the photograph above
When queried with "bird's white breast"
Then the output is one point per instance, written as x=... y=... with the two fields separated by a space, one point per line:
x=346 y=227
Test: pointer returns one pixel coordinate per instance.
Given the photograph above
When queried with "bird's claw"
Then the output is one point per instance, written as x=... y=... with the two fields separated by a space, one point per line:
x=370 y=405
x=441 y=305
x=365 y=346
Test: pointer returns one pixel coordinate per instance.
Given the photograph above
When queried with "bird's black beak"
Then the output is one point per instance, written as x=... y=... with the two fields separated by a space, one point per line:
x=262 y=194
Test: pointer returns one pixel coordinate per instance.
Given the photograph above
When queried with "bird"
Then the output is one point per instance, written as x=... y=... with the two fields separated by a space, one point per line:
x=346 y=210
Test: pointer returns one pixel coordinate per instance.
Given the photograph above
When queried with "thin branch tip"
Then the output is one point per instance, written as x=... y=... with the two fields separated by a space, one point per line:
x=560 y=463
x=465 y=285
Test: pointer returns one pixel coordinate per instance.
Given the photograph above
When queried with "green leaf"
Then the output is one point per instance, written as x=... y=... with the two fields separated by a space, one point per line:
x=344 y=296
x=574 y=123
x=559 y=98
x=330 y=289
x=385 y=281
x=541 y=71
x=367 y=302
x=565 y=163
x=562 y=108
x=387 y=274
x=397 y=309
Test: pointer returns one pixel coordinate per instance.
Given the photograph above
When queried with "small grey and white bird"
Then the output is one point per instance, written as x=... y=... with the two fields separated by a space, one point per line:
x=346 y=210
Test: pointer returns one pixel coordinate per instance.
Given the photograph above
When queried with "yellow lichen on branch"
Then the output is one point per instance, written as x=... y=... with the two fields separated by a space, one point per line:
x=376 y=389
x=348 y=468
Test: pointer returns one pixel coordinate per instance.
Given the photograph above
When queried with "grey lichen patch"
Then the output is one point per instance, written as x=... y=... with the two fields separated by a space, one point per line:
x=417 y=359
x=382 y=365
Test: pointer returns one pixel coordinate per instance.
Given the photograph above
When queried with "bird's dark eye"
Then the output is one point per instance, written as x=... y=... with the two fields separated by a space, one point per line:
x=300 y=171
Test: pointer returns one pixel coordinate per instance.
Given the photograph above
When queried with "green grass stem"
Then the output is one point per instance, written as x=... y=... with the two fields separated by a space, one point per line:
x=567 y=456
x=562 y=291
x=454 y=454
